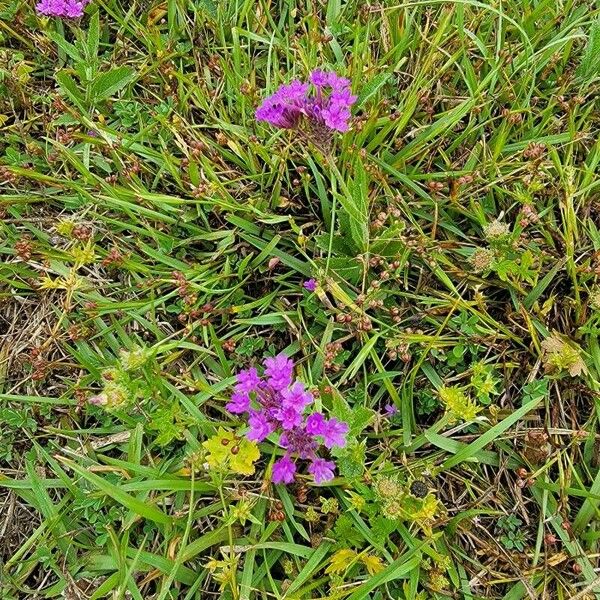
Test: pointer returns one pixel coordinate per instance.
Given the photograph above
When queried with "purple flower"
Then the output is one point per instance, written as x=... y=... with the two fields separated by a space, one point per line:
x=337 y=113
x=298 y=441
x=247 y=380
x=289 y=417
x=310 y=285
x=297 y=397
x=239 y=403
x=260 y=427
x=279 y=371
x=319 y=78
x=334 y=433
x=62 y=8
x=390 y=410
x=321 y=470
x=327 y=111
x=316 y=424
x=284 y=108
x=276 y=403
x=284 y=470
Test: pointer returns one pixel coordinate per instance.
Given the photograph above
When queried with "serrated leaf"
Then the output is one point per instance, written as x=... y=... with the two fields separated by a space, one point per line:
x=210 y=7
x=382 y=527
x=351 y=459
x=361 y=417
x=357 y=417
x=69 y=87
x=340 y=561
x=372 y=87
x=93 y=36
x=346 y=534
x=589 y=67
x=68 y=48
x=373 y=563
x=111 y=82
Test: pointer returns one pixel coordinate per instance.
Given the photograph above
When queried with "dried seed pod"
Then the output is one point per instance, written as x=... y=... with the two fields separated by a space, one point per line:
x=419 y=489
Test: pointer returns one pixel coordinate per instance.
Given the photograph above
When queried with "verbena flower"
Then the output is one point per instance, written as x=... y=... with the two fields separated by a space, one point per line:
x=279 y=371
x=323 y=108
x=284 y=470
x=274 y=402
x=260 y=426
x=239 y=403
x=71 y=9
x=247 y=381
x=390 y=410
x=321 y=470
x=310 y=285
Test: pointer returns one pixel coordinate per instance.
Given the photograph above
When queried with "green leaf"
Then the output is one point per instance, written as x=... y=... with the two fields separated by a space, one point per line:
x=68 y=48
x=371 y=88
x=210 y=7
x=589 y=67
x=110 y=83
x=93 y=33
x=359 y=221
x=351 y=459
x=69 y=87
x=144 y=509
x=490 y=435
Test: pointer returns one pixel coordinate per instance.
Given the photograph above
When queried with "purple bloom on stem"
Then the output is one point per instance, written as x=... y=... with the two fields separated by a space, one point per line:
x=279 y=404
x=247 y=380
x=321 y=470
x=327 y=111
x=284 y=108
x=334 y=433
x=239 y=403
x=279 y=371
x=297 y=397
x=289 y=417
x=260 y=427
x=62 y=8
x=316 y=424
x=319 y=78
x=337 y=114
x=74 y=9
x=390 y=410
x=284 y=470
x=310 y=285
x=298 y=441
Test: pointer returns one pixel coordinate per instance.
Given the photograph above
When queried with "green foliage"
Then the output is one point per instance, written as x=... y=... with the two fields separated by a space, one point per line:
x=589 y=66
x=513 y=537
x=458 y=404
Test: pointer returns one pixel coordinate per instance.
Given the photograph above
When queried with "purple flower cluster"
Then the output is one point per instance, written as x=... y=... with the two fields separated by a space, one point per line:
x=310 y=285
x=277 y=403
x=72 y=9
x=328 y=107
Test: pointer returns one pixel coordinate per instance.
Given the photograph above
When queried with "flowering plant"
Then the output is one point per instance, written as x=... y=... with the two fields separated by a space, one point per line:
x=325 y=111
x=274 y=402
x=62 y=8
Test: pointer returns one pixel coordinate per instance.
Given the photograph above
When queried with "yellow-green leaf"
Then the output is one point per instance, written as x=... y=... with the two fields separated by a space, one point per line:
x=373 y=563
x=340 y=561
